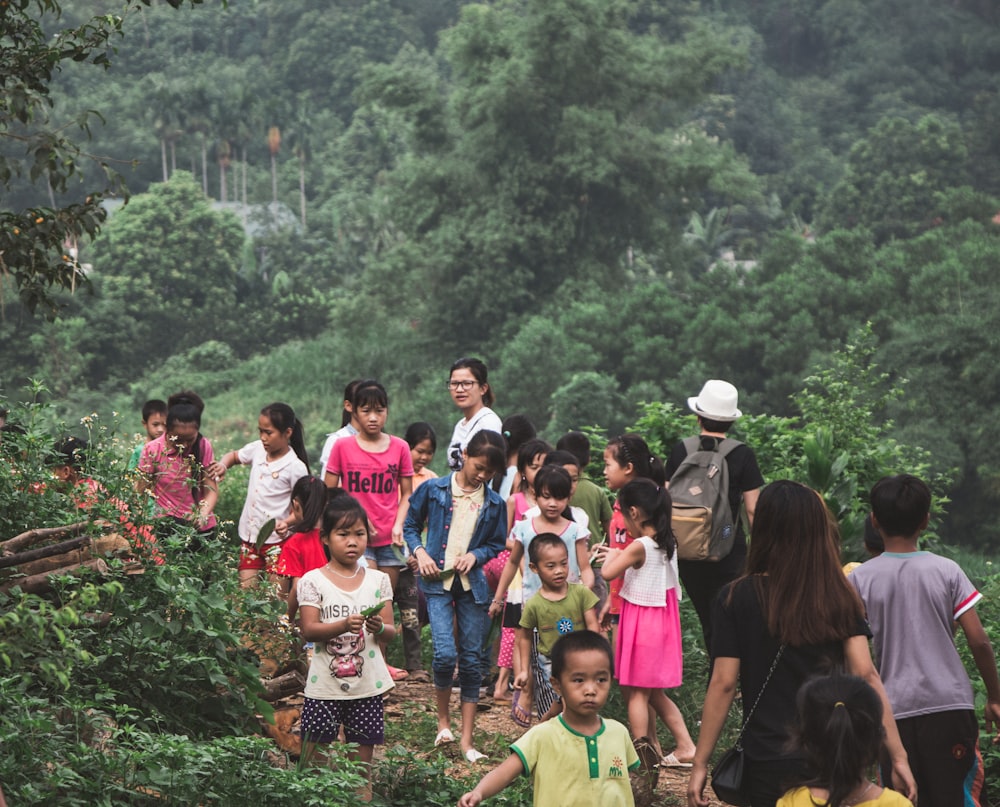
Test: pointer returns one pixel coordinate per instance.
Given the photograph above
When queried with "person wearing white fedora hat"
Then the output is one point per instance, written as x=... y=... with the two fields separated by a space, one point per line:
x=717 y=410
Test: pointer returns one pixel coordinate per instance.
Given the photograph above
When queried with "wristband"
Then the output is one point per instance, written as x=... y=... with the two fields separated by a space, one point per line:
x=380 y=630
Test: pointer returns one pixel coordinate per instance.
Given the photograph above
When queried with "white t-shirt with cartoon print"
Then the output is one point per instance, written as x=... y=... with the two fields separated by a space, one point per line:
x=349 y=666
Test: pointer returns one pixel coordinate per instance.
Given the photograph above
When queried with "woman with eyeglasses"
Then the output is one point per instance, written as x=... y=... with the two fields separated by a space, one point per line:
x=472 y=394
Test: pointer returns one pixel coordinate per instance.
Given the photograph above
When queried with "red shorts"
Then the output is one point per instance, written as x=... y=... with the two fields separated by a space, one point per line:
x=265 y=560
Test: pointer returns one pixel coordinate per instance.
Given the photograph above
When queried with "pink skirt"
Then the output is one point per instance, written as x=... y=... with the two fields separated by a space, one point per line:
x=648 y=653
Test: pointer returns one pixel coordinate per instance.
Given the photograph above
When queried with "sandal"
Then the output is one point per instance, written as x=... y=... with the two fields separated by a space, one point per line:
x=518 y=713
x=444 y=736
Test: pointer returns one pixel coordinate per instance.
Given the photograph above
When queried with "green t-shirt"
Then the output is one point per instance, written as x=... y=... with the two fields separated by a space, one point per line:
x=553 y=618
x=591 y=499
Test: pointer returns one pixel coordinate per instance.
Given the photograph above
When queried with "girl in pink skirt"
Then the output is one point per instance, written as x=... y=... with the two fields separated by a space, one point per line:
x=648 y=655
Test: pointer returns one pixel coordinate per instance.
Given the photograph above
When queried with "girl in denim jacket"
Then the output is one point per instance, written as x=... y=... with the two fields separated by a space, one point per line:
x=466 y=526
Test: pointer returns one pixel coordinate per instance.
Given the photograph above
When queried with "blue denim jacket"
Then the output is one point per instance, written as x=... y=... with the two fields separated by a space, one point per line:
x=431 y=506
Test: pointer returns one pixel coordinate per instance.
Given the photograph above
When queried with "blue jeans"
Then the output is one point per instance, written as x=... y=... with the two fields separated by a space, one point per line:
x=445 y=610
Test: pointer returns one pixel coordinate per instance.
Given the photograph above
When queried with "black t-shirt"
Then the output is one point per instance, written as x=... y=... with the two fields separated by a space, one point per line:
x=740 y=631
x=744 y=475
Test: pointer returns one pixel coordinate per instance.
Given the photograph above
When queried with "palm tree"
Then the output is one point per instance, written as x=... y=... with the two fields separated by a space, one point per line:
x=273 y=145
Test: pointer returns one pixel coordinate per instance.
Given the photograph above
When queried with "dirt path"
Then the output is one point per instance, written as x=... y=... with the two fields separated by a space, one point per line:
x=412 y=702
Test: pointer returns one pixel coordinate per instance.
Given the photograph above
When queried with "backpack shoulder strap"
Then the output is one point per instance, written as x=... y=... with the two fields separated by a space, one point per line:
x=727 y=446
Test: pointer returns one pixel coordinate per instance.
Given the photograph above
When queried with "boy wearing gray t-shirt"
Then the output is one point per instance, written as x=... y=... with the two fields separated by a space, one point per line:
x=913 y=599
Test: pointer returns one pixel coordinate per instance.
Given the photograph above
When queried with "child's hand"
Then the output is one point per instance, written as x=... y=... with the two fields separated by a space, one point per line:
x=425 y=564
x=216 y=470
x=520 y=680
x=374 y=624
x=496 y=607
x=411 y=561
x=397 y=536
x=604 y=618
x=355 y=622
x=470 y=799
x=282 y=528
x=465 y=563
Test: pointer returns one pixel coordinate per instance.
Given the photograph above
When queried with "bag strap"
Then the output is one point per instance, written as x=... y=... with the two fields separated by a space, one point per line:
x=746 y=720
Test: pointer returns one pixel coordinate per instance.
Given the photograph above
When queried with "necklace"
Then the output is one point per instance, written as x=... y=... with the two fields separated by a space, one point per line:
x=467 y=490
x=345 y=576
x=860 y=797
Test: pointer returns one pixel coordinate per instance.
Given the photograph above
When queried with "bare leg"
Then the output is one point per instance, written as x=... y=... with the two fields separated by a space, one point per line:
x=637 y=707
x=443 y=698
x=249 y=578
x=364 y=754
x=468 y=724
x=674 y=720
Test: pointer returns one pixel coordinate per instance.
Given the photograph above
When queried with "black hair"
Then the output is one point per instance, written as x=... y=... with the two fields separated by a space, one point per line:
x=186 y=407
x=369 y=393
x=563 y=458
x=653 y=502
x=873 y=538
x=71 y=451
x=154 y=406
x=517 y=430
x=346 y=414
x=577 y=642
x=543 y=539
x=282 y=417
x=491 y=445
x=709 y=425
x=479 y=372
x=632 y=449
x=341 y=511
x=579 y=444
x=527 y=452
x=555 y=479
x=840 y=730
x=311 y=494
x=417 y=432
x=901 y=504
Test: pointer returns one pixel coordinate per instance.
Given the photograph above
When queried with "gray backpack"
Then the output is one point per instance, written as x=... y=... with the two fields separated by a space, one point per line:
x=703 y=522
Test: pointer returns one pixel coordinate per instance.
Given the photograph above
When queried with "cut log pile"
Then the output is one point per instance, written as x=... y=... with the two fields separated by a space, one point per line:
x=30 y=559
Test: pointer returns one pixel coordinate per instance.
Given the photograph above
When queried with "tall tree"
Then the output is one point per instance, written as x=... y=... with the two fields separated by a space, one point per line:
x=32 y=241
x=565 y=139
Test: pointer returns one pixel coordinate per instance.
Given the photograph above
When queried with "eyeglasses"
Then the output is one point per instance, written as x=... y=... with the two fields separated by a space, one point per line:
x=461 y=384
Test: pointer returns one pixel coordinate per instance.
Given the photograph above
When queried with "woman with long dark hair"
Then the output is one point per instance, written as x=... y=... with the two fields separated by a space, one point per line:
x=791 y=616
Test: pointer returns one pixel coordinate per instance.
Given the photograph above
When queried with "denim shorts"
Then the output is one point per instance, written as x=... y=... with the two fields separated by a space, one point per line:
x=384 y=556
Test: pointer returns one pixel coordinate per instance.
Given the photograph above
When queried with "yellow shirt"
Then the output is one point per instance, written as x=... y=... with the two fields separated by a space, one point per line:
x=465 y=509
x=801 y=797
x=569 y=769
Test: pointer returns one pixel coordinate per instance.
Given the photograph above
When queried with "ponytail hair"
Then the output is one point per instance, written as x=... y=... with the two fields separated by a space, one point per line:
x=282 y=417
x=311 y=494
x=491 y=446
x=186 y=407
x=840 y=730
x=653 y=501
x=631 y=449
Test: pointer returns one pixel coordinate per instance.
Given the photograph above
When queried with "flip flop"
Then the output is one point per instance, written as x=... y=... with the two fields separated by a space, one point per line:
x=518 y=713
x=671 y=761
x=444 y=736
x=472 y=755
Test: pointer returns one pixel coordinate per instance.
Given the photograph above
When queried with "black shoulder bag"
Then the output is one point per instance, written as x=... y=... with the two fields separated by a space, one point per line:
x=727 y=775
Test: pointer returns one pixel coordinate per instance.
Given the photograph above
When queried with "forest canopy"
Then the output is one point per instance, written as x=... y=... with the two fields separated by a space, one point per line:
x=608 y=201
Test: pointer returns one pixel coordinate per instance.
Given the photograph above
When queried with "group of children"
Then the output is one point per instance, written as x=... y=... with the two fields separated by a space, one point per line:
x=348 y=543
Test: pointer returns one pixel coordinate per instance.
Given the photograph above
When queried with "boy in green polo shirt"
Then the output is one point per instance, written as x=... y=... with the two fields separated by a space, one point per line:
x=579 y=757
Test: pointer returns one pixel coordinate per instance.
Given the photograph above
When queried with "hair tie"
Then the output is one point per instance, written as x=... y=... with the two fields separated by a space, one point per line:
x=839 y=703
x=506 y=433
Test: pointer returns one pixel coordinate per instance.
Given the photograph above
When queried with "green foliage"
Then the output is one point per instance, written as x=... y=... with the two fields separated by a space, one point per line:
x=32 y=240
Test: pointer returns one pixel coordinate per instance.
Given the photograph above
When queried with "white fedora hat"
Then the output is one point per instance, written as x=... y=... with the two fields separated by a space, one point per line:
x=716 y=401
